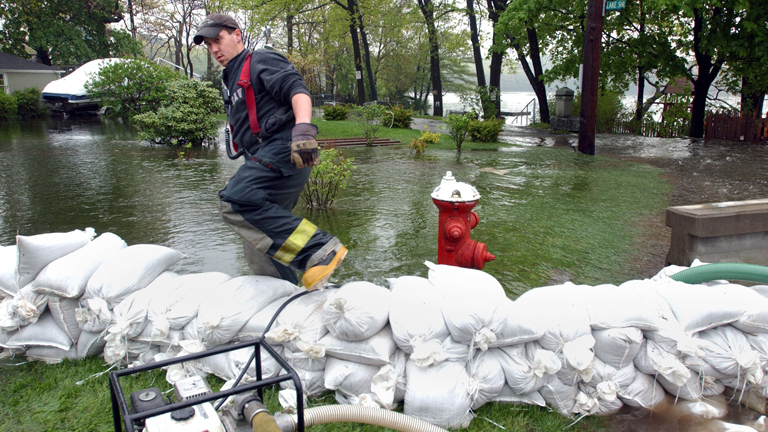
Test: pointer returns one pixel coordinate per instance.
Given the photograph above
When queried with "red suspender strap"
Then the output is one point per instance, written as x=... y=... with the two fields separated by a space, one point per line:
x=250 y=99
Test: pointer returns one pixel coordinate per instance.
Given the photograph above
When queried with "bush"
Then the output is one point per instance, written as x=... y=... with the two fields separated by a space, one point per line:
x=485 y=130
x=430 y=137
x=482 y=99
x=132 y=87
x=335 y=112
x=418 y=145
x=610 y=109
x=327 y=179
x=458 y=127
x=402 y=117
x=29 y=103
x=369 y=119
x=7 y=106
x=185 y=118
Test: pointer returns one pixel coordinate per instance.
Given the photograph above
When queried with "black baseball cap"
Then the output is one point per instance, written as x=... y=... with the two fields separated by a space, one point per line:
x=213 y=25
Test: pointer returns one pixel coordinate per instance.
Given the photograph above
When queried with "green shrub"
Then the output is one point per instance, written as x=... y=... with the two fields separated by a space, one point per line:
x=402 y=117
x=7 y=106
x=610 y=110
x=335 y=112
x=485 y=130
x=327 y=179
x=29 y=103
x=458 y=128
x=418 y=145
x=130 y=87
x=482 y=99
x=430 y=137
x=185 y=118
x=368 y=118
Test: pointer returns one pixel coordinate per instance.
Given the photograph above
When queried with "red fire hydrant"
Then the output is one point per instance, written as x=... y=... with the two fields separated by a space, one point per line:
x=455 y=201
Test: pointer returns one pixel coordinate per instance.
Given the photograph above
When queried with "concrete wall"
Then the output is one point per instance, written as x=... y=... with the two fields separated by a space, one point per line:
x=21 y=80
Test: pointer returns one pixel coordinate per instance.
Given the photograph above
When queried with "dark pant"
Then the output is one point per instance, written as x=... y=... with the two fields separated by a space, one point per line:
x=257 y=204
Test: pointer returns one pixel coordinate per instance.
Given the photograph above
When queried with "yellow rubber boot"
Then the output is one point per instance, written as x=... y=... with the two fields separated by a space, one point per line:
x=316 y=276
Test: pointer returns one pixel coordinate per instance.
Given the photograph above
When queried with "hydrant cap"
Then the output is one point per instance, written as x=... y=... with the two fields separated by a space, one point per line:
x=453 y=191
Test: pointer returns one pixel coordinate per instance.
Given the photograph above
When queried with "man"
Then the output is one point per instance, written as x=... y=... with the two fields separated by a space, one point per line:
x=268 y=113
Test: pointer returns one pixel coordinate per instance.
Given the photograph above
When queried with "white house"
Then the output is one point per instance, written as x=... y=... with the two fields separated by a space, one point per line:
x=17 y=73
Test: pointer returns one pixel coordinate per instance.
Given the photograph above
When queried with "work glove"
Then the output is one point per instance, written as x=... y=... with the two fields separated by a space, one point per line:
x=304 y=146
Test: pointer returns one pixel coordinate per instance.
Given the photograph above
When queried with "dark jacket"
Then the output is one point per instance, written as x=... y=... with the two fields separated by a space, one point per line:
x=274 y=82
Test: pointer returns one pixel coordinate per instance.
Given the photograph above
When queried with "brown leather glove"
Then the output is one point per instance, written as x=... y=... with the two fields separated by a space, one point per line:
x=303 y=145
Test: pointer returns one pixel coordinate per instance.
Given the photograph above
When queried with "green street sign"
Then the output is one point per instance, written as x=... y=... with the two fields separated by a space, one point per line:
x=614 y=5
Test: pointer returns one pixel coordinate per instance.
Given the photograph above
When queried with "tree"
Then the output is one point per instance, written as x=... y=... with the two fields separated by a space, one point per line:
x=427 y=8
x=63 y=31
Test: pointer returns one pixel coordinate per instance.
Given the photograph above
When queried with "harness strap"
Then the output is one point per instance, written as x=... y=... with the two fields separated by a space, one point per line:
x=250 y=99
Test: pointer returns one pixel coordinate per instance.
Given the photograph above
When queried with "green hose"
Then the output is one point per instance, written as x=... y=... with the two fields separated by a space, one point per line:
x=729 y=271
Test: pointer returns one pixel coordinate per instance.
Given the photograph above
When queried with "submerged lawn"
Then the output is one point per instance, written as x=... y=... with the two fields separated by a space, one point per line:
x=543 y=212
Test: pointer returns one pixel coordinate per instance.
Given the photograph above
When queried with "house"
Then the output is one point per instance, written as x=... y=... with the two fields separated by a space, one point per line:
x=17 y=73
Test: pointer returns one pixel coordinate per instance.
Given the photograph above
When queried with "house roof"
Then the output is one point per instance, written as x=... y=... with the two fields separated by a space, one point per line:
x=10 y=62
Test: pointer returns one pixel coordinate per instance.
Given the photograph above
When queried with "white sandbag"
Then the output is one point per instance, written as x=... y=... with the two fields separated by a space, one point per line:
x=704 y=369
x=375 y=351
x=414 y=312
x=759 y=343
x=69 y=275
x=507 y=395
x=120 y=350
x=433 y=351
x=171 y=339
x=128 y=270
x=691 y=389
x=701 y=307
x=180 y=304
x=644 y=392
x=755 y=320
x=229 y=365
x=50 y=355
x=348 y=378
x=36 y=252
x=617 y=346
x=255 y=326
x=90 y=344
x=631 y=304
x=728 y=351
x=63 y=311
x=237 y=301
x=713 y=387
x=527 y=367
x=519 y=325
x=8 y=260
x=310 y=358
x=356 y=311
x=399 y=362
x=5 y=336
x=301 y=322
x=486 y=377
x=608 y=380
x=559 y=313
x=469 y=301
x=130 y=315
x=384 y=385
x=560 y=396
x=439 y=394
x=654 y=361
x=22 y=309
x=44 y=332
x=578 y=360
x=312 y=382
x=588 y=401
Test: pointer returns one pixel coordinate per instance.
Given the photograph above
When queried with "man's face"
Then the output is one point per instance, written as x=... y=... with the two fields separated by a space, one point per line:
x=225 y=46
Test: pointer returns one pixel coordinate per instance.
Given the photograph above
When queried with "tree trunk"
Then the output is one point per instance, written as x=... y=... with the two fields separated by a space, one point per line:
x=289 y=30
x=367 y=57
x=707 y=72
x=427 y=9
x=44 y=56
x=539 y=88
x=351 y=7
x=589 y=77
x=751 y=98
x=495 y=8
x=475 y=38
x=640 y=93
x=130 y=14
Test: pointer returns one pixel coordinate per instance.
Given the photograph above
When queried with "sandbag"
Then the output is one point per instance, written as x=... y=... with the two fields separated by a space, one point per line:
x=229 y=365
x=22 y=309
x=590 y=401
x=63 y=312
x=631 y=304
x=518 y=325
x=130 y=315
x=486 y=377
x=527 y=367
x=312 y=382
x=375 y=351
x=701 y=307
x=180 y=304
x=469 y=302
x=608 y=381
x=90 y=344
x=690 y=390
x=578 y=360
x=617 y=346
x=728 y=351
x=414 y=312
x=50 y=355
x=560 y=396
x=310 y=358
x=128 y=270
x=654 y=361
x=120 y=349
x=356 y=311
x=69 y=275
x=8 y=261
x=44 y=332
x=644 y=392
x=348 y=378
x=507 y=395
x=300 y=324
x=432 y=352
x=255 y=326
x=439 y=394
x=37 y=251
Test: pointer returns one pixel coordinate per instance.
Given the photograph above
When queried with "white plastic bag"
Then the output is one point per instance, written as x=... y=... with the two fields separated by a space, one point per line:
x=37 y=251
x=728 y=351
x=528 y=367
x=486 y=377
x=644 y=392
x=356 y=311
x=414 y=312
x=617 y=346
x=439 y=394
x=68 y=275
x=348 y=378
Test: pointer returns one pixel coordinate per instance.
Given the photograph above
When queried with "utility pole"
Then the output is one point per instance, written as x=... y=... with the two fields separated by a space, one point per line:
x=589 y=77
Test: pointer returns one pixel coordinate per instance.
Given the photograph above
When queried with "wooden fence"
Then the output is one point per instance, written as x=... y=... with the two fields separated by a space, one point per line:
x=651 y=128
x=734 y=127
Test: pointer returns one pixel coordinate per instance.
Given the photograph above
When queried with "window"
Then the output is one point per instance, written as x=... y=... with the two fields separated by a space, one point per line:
x=2 y=83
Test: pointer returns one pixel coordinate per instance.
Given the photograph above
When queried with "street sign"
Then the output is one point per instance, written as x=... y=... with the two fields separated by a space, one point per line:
x=614 y=5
